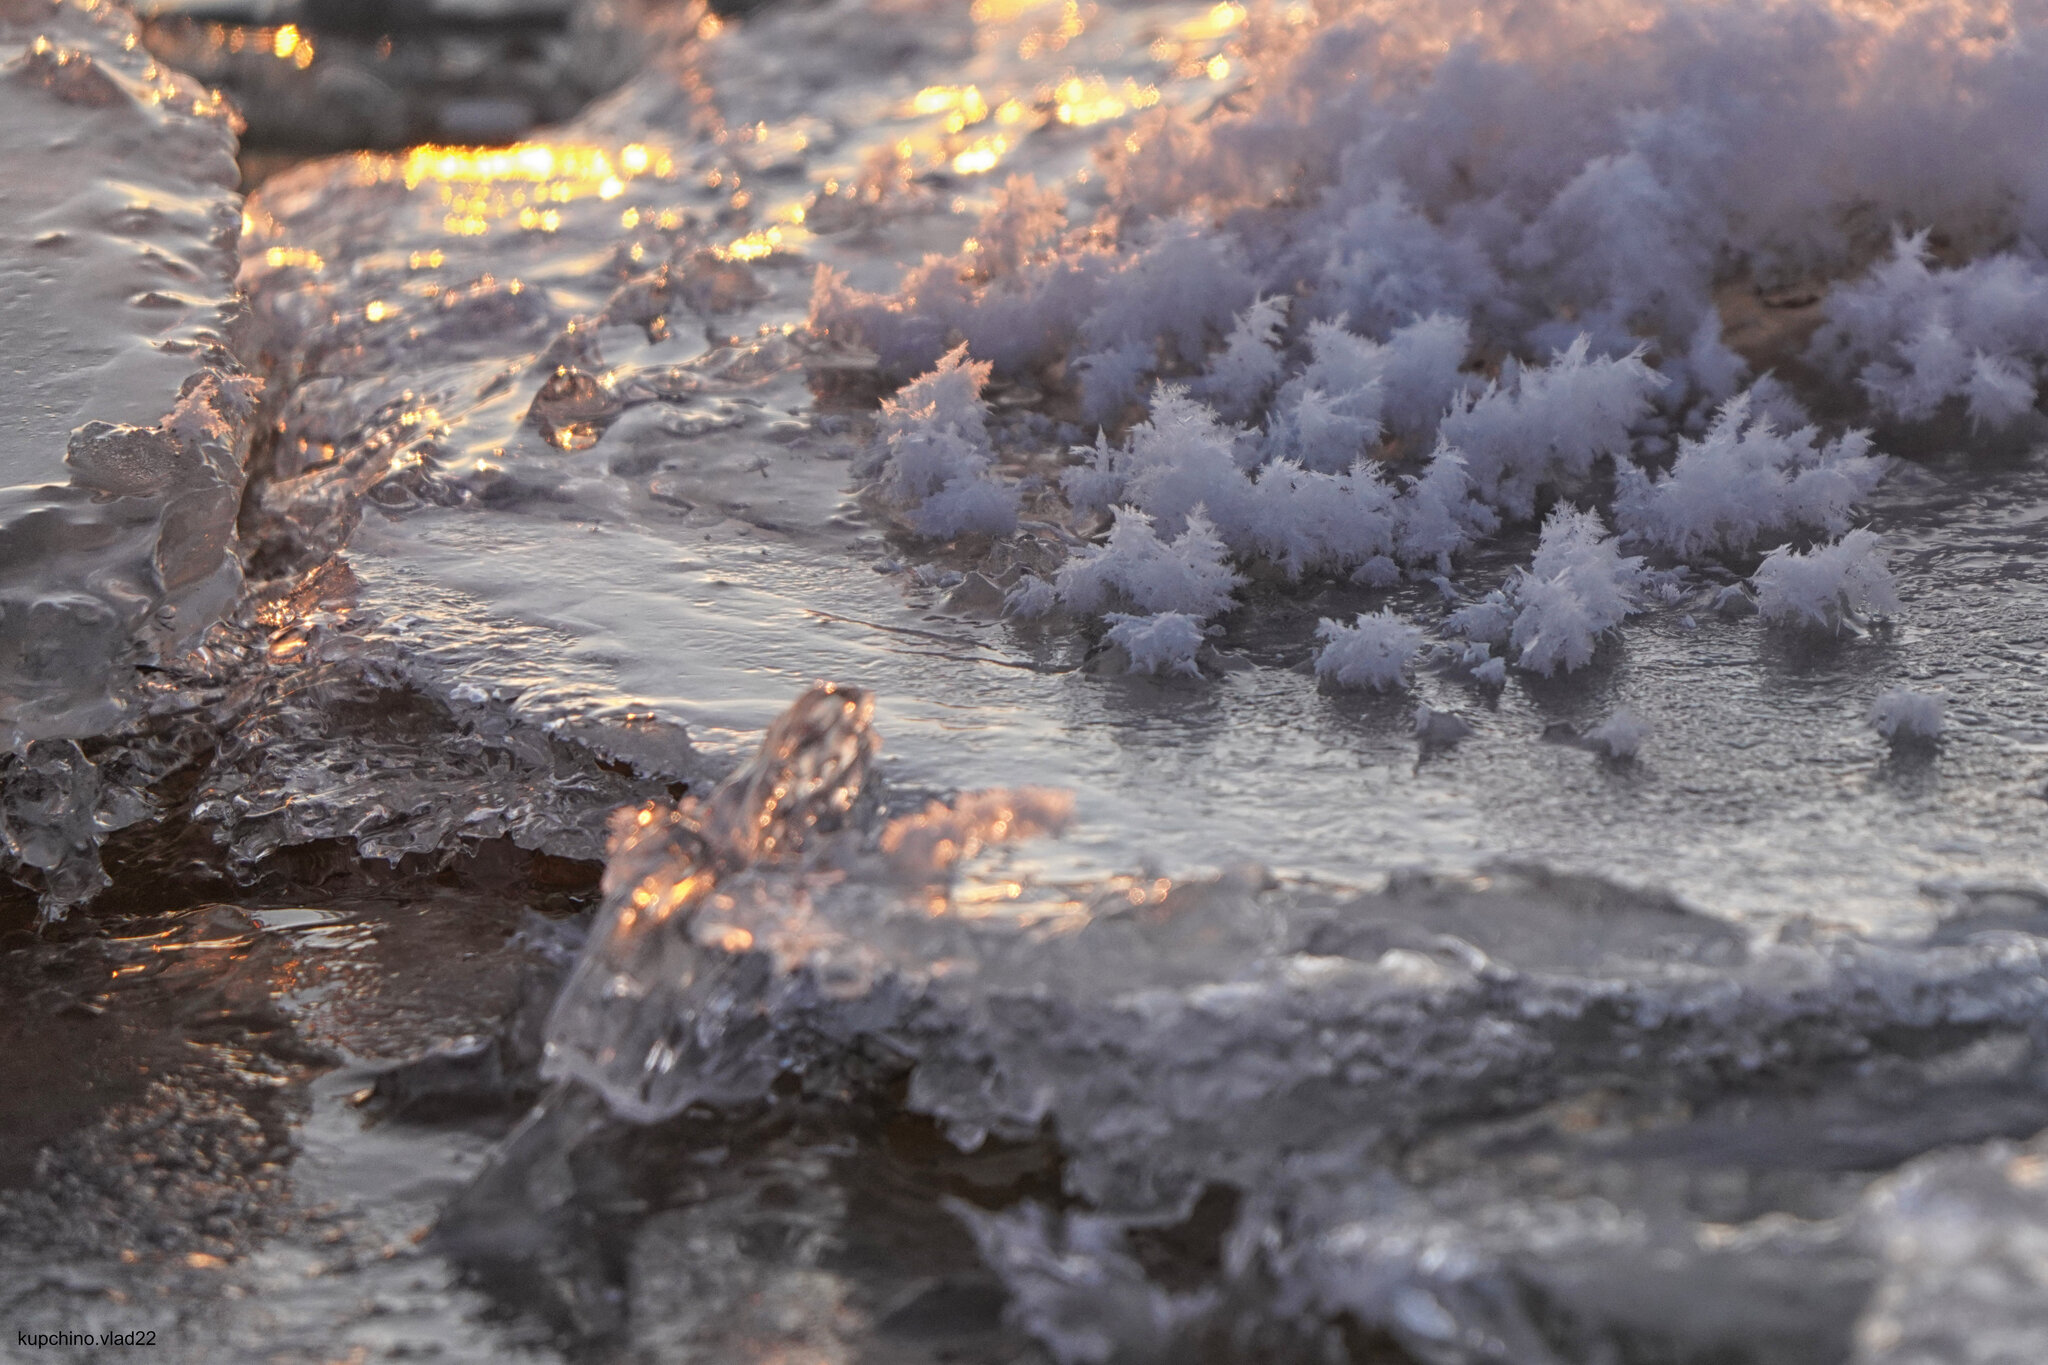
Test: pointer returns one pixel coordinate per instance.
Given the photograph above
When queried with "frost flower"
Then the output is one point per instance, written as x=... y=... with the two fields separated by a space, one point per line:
x=1373 y=652
x=1191 y=575
x=1620 y=735
x=1165 y=643
x=1827 y=586
x=936 y=456
x=1902 y=715
x=1743 y=480
x=1550 y=423
x=1578 y=586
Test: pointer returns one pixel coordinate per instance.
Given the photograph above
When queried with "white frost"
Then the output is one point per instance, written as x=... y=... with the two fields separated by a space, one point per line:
x=1828 y=586
x=1578 y=586
x=1165 y=643
x=1901 y=714
x=1373 y=652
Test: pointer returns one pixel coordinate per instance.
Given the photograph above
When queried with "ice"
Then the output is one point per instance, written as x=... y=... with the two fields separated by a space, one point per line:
x=1551 y=424
x=1916 y=337
x=591 y=452
x=936 y=454
x=1374 y=651
x=1578 y=586
x=1828 y=587
x=126 y=419
x=1621 y=735
x=1164 y=643
x=1965 y=1261
x=1905 y=716
x=1285 y=1042
x=1745 y=480
x=713 y=548
x=1188 y=574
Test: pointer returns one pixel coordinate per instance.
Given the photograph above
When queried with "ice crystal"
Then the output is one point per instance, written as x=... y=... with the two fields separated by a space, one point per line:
x=1744 y=480
x=1915 y=337
x=1550 y=423
x=1829 y=586
x=936 y=454
x=1621 y=735
x=1188 y=574
x=1374 y=651
x=1901 y=714
x=1578 y=587
x=1165 y=643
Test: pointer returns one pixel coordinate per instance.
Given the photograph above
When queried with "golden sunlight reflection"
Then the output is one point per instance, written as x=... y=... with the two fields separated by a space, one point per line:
x=1080 y=101
x=755 y=245
x=981 y=156
x=287 y=257
x=526 y=184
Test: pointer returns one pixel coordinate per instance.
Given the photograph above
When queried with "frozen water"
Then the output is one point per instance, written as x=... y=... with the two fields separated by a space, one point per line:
x=1343 y=1063
x=584 y=455
x=126 y=417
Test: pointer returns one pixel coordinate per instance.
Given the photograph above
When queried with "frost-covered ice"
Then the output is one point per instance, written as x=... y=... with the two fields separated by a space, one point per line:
x=971 y=354
x=1903 y=715
x=1374 y=651
x=1829 y=586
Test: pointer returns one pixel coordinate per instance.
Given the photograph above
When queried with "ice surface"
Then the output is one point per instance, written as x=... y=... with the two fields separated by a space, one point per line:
x=595 y=425
x=713 y=547
x=1335 y=1059
x=126 y=418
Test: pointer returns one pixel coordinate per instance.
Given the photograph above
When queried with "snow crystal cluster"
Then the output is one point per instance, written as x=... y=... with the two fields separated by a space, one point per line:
x=1828 y=587
x=1904 y=716
x=936 y=457
x=1432 y=272
x=1374 y=651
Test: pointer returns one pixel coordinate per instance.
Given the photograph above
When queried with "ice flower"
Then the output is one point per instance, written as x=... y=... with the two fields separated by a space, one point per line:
x=1374 y=651
x=1828 y=586
x=1902 y=715
x=1577 y=587
x=1163 y=643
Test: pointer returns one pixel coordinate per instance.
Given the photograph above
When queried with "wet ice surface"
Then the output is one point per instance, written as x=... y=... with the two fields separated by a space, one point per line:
x=1429 y=1083
x=689 y=542
x=126 y=419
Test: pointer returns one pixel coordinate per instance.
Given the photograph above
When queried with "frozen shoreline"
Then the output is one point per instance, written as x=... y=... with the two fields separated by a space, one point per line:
x=1721 y=972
